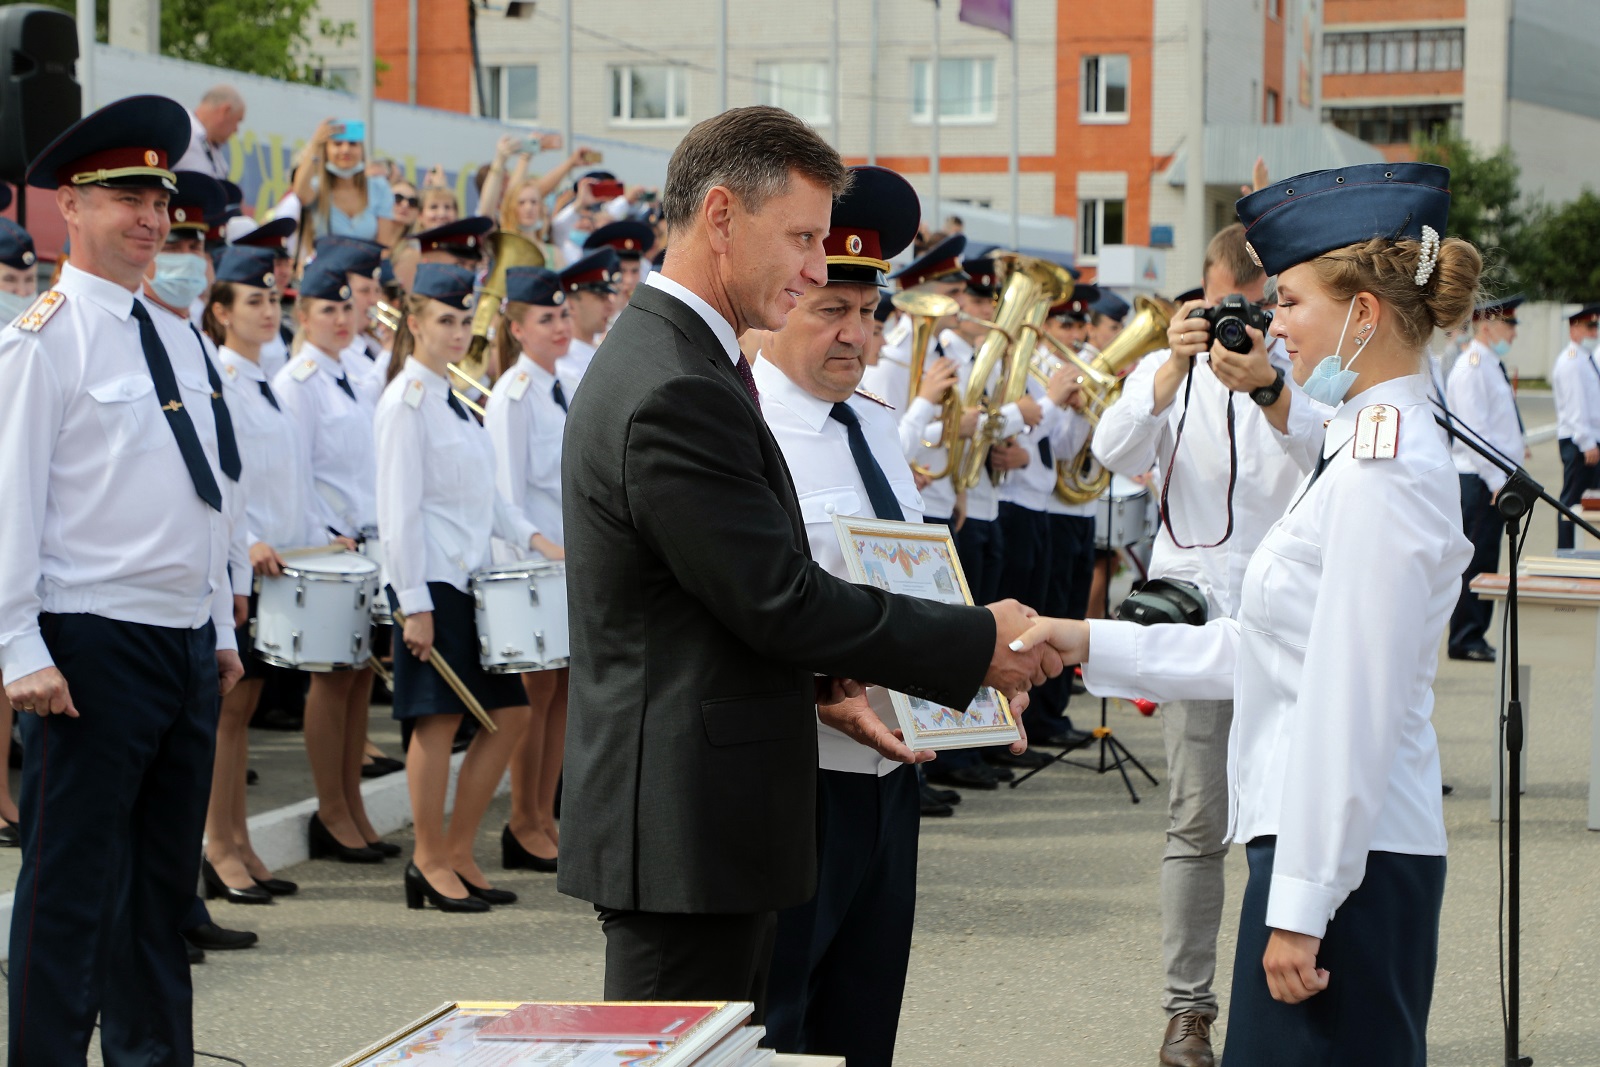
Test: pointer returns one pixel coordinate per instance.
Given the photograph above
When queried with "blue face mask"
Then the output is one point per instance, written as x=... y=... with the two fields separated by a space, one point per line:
x=180 y=278
x=1329 y=381
x=1501 y=348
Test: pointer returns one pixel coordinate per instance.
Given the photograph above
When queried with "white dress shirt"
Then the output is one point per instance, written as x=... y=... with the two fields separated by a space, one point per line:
x=101 y=515
x=890 y=377
x=202 y=155
x=1032 y=486
x=277 y=471
x=1132 y=438
x=437 y=504
x=721 y=327
x=367 y=364
x=572 y=366
x=1481 y=398
x=1069 y=432
x=1330 y=663
x=337 y=431
x=274 y=354
x=525 y=424
x=827 y=482
x=1575 y=378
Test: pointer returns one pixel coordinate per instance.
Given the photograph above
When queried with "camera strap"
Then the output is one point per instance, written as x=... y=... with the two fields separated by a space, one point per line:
x=1233 y=466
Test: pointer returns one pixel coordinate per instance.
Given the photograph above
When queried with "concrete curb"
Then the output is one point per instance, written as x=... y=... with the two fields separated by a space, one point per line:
x=279 y=835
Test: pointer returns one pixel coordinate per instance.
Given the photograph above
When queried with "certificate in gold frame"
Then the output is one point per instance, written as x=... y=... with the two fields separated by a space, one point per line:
x=919 y=559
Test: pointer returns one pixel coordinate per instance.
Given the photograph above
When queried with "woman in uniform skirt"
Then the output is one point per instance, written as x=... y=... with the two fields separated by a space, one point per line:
x=526 y=417
x=1333 y=762
x=438 y=511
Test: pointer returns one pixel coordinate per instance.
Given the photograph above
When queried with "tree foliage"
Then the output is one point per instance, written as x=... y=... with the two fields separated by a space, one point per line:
x=1485 y=203
x=1560 y=251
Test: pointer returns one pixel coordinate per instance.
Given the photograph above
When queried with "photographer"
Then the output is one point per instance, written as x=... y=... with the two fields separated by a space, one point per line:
x=1226 y=465
x=600 y=199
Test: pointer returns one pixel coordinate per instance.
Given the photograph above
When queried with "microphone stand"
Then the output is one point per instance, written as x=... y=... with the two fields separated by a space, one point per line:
x=1515 y=499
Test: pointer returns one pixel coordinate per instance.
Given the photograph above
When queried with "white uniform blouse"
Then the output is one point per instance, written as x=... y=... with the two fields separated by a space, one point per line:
x=277 y=471
x=1480 y=395
x=437 y=504
x=337 y=431
x=525 y=423
x=1575 y=378
x=1330 y=663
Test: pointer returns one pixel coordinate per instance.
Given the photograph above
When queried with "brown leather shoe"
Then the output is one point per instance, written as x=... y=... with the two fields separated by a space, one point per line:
x=1188 y=1041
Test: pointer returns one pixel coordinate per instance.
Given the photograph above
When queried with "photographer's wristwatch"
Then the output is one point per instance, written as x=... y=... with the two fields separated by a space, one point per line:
x=1268 y=395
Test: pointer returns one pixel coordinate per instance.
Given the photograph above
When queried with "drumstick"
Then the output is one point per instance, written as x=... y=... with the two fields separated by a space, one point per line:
x=453 y=680
x=378 y=668
x=315 y=550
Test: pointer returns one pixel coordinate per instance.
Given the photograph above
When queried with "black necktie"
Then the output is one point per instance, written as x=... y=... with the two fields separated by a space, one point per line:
x=1046 y=453
x=344 y=383
x=559 y=394
x=266 y=391
x=884 y=504
x=749 y=379
x=1507 y=376
x=455 y=405
x=166 y=383
x=227 y=444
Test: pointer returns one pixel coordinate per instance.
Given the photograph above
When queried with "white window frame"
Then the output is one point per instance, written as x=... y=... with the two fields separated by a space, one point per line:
x=677 y=96
x=1092 y=226
x=922 y=67
x=502 y=86
x=1097 y=115
x=767 y=88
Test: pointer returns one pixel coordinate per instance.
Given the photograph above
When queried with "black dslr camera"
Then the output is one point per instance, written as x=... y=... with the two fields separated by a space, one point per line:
x=1229 y=318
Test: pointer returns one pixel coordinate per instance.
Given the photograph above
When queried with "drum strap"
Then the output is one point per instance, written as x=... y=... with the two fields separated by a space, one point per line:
x=1233 y=467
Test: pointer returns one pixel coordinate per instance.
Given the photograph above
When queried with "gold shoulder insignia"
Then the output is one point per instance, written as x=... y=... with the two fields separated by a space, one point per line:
x=40 y=311
x=875 y=398
x=1377 y=432
x=1472 y=359
x=517 y=388
x=414 y=393
x=304 y=369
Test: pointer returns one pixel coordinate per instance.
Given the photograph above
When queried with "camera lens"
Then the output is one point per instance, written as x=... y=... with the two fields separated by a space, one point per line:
x=1230 y=332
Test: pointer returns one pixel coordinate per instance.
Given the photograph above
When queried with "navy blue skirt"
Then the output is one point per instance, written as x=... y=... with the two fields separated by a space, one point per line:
x=418 y=689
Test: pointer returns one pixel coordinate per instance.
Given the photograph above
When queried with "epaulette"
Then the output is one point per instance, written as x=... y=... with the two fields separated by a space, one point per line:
x=1472 y=359
x=304 y=369
x=1377 y=432
x=517 y=387
x=414 y=393
x=41 y=311
x=875 y=398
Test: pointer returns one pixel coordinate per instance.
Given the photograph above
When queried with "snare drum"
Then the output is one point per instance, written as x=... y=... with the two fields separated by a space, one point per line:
x=1128 y=511
x=521 y=612
x=372 y=548
x=317 y=615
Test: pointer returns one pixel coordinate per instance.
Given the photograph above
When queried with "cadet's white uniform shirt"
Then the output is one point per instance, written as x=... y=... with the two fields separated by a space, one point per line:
x=827 y=481
x=1132 y=438
x=1575 y=378
x=274 y=354
x=1330 y=663
x=890 y=377
x=337 y=432
x=437 y=505
x=525 y=423
x=101 y=515
x=367 y=364
x=1480 y=396
x=572 y=366
x=277 y=471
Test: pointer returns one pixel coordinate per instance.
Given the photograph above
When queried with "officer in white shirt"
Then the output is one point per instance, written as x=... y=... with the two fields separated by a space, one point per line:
x=938 y=271
x=839 y=961
x=1575 y=378
x=591 y=287
x=1480 y=397
x=116 y=617
x=1334 y=766
x=1226 y=466
x=273 y=235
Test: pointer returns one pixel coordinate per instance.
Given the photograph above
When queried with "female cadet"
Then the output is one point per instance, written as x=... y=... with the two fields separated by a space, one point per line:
x=438 y=510
x=525 y=418
x=335 y=427
x=243 y=314
x=1333 y=762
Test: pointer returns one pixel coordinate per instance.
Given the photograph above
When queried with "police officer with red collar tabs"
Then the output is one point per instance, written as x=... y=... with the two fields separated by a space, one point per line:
x=460 y=243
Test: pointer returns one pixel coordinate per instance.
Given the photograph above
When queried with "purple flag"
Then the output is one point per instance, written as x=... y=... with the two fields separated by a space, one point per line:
x=990 y=14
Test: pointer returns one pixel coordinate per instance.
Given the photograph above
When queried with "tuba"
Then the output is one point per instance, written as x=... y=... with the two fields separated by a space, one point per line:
x=508 y=250
x=925 y=308
x=1082 y=478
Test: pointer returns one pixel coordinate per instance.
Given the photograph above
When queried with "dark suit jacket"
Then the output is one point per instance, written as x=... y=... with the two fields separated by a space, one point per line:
x=698 y=619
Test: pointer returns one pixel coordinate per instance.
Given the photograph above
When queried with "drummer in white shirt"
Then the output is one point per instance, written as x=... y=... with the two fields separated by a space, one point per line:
x=1333 y=765
x=438 y=510
x=525 y=418
x=591 y=288
x=272 y=235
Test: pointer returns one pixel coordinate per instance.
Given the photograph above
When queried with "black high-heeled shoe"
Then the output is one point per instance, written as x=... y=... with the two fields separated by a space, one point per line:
x=386 y=849
x=216 y=887
x=419 y=891
x=514 y=857
x=324 y=844
x=486 y=894
x=10 y=833
x=278 y=887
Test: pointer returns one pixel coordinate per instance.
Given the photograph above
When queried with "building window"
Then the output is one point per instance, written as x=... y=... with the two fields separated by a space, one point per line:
x=1272 y=108
x=800 y=88
x=339 y=79
x=1393 y=51
x=513 y=93
x=966 y=91
x=649 y=95
x=1099 y=224
x=1275 y=9
x=1105 y=89
x=1394 y=125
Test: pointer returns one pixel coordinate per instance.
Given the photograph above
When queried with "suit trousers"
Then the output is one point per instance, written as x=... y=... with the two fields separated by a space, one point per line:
x=1485 y=528
x=671 y=956
x=1381 y=950
x=1196 y=735
x=1576 y=476
x=113 y=806
x=839 y=965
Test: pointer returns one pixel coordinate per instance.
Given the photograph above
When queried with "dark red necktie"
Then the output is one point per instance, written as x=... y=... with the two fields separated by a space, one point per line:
x=749 y=380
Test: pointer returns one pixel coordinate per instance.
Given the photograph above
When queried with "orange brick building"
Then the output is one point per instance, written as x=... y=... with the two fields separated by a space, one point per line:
x=1394 y=69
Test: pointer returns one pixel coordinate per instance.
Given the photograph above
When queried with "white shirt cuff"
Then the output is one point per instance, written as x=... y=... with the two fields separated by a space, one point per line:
x=227 y=638
x=1113 y=664
x=1303 y=907
x=25 y=654
x=417 y=600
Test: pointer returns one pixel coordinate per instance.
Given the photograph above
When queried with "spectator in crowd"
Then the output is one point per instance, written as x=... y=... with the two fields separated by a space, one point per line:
x=407 y=206
x=214 y=120
x=600 y=199
x=439 y=207
x=953 y=224
x=334 y=189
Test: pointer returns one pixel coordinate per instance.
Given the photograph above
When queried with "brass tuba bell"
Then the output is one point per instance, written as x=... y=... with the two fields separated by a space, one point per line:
x=508 y=250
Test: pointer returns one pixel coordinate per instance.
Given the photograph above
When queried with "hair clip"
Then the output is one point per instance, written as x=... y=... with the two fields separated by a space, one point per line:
x=1428 y=258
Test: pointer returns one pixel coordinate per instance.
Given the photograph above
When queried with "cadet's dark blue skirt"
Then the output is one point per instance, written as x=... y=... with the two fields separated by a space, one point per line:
x=418 y=689
x=1380 y=952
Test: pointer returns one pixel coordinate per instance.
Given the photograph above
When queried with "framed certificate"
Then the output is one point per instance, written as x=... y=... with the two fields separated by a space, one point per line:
x=918 y=559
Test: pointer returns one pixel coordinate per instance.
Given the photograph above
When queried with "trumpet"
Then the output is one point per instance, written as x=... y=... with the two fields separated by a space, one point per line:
x=388 y=316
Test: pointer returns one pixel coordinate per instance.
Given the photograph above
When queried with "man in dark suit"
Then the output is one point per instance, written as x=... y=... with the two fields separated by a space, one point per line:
x=699 y=622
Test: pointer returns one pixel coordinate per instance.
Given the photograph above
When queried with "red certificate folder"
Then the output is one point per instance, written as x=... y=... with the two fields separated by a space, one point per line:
x=598 y=1022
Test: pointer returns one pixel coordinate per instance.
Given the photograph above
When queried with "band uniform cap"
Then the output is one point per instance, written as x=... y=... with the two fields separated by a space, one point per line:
x=939 y=263
x=1588 y=311
x=1076 y=306
x=1110 y=305
x=129 y=143
x=983 y=274
x=885 y=307
x=324 y=282
x=386 y=276
x=1300 y=218
x=198 y=201
x=1504 y=307
x=631 y=239
x=273 y=234
x=534 y=285
x=246 y=266
x=597 y=271
x=463 y=237
x=16 y=246
x=356 y=255
x=232 y=208
x=875 y=220
x=446 y=283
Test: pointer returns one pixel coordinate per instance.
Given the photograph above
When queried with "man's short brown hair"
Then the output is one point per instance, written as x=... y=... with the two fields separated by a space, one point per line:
x=1228 y=249
x=751 y=152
